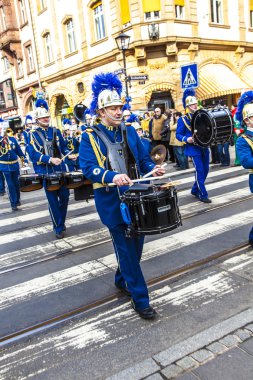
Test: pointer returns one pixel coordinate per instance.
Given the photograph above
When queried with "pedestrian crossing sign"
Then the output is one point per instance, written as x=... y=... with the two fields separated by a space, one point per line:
x=189 y=76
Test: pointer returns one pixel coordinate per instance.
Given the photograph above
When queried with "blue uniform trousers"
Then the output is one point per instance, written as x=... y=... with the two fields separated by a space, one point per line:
x=11 y=178
x=201 y=164
x=129 y=274
x=251 y=235
x=2 y=183
x=58 y=204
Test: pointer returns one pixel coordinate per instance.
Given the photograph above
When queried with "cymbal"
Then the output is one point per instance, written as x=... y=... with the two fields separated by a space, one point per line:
x=158 y=154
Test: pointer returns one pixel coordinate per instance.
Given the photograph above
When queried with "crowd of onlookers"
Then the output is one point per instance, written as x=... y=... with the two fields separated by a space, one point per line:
x=160 y=128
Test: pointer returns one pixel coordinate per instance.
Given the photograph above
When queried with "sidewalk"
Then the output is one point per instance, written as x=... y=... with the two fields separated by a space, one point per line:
x=222 y=352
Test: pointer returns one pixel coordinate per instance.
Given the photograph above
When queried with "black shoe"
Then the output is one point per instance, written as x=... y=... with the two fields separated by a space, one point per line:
x=148 y=313
x=2 y=194
x=123 y=290
x=19 y=204
x=14 y=208
x=205 y=200
x=195 y=195
x=59 y=235
x=251 y=242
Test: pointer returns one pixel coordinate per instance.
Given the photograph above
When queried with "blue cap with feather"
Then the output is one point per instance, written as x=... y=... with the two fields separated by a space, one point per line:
x=245 y=106
x=1 y=120
x=132 y=118
x=189 y=97
x=28 y=119
x=66 y=121
x=106 y=91
x=127 y=105
x=41 y=103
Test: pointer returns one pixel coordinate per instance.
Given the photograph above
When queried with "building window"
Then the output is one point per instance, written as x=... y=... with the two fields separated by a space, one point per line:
x=19 y=68
x=42 y=5
x=99 y=22
x=22 y=12
x=179 y=11
x=71 y=36
x=3 y=19
x=30 y=58
x=216 y=11
x=6 y=64
x=48 y=47
x=251 y=19
x=151 y=16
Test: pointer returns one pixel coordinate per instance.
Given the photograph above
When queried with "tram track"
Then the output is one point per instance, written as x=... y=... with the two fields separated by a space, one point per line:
x=69 y=251
x=55 y=321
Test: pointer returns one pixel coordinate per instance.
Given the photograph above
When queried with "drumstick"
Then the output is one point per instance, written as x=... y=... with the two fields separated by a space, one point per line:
x=144 y=179
x=66 y=155
x=154 y=170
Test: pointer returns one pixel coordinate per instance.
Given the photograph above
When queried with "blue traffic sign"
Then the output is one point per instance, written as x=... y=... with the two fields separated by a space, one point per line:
x=189 y=76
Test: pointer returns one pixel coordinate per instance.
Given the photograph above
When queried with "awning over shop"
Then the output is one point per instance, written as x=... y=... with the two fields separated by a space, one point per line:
x=217 y=80
x=247 y=75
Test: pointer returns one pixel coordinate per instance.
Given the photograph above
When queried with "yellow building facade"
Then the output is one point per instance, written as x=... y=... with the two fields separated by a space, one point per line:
x=60 y=45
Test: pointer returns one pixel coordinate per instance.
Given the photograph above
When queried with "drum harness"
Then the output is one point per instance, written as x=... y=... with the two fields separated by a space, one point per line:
x=124 y=163
x=249 y=140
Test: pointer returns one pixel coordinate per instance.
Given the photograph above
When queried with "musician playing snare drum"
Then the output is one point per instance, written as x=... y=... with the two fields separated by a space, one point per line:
x=45 y=148
x=198 y=154
x=102 y=147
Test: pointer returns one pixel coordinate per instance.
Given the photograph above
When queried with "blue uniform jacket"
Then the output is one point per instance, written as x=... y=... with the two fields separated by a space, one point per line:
x=9 y=153
x=245 y=154
x=35 y=150
x=72 y=144
x=107 y=198
x=183 y=132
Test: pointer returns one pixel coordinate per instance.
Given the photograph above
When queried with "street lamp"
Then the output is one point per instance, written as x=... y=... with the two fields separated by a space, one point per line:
x=122 y=42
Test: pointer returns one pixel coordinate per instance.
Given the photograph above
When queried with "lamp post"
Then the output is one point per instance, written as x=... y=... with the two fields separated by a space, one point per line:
x=122 y=41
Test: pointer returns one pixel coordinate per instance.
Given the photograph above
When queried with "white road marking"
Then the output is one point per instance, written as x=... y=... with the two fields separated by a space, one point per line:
x=62 y=279
x=97 y=331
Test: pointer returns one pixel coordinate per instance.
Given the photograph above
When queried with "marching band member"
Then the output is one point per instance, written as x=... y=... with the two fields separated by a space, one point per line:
x=9 y=166
x=45 y=148
x=244 y=143
x=72 y=144
x=96 y=154
x=199 y=155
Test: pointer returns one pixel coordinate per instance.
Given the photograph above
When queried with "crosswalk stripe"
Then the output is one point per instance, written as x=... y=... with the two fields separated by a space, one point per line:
x=83 y=272
x=72 y=207
x=75 y=221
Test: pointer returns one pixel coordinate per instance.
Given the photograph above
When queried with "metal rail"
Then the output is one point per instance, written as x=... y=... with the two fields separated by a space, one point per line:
x=104 y=241
x=64 y=317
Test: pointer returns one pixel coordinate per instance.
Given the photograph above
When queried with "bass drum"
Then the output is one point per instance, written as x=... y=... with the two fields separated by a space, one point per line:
x=212 y=126
x=153 y=210
x=30 y=182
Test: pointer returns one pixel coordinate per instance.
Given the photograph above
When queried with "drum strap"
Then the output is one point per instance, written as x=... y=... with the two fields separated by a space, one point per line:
x=186 y=124
x=249 y=141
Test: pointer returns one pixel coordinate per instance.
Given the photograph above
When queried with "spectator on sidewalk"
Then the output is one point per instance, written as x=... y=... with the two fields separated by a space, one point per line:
x=177 y=145
x=224 y=156
x=145 y=123
x=156 y=125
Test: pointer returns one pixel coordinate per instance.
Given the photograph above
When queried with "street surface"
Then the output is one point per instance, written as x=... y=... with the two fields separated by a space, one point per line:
x=42 y=277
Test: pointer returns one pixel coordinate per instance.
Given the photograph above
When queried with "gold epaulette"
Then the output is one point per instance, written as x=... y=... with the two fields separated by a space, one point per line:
x=88 y=130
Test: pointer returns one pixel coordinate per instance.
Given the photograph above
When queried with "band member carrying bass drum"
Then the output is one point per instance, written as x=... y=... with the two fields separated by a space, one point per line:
x=198 y=154
x=45 y=148
x=112 y=153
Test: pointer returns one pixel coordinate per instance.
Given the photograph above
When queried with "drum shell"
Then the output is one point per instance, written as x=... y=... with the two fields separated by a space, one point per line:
x=212 y=126
x=72 y=180
x=153 y=213
x=53 y=181
x=30 y=182
x=84 y=192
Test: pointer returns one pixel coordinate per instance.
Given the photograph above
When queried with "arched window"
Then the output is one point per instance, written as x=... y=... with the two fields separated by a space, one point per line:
x=48 y=48
x=99 y=21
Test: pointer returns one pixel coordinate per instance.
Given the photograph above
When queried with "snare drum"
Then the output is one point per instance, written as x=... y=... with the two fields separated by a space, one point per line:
x=152 y=209
x=212 y=126
x=72 y=180
x=53 y=181
x=30 y=182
